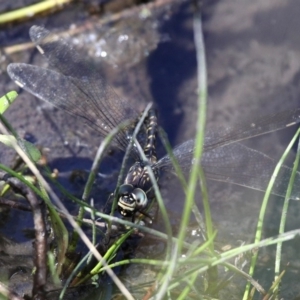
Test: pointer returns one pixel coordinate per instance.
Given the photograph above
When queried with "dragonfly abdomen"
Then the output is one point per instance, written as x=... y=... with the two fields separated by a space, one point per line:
x=151 y=124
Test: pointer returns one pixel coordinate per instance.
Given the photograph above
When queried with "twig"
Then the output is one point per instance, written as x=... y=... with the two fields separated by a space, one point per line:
x=38 y=291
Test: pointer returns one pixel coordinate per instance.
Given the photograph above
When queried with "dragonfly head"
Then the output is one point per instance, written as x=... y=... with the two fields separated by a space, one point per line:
x=131 y=199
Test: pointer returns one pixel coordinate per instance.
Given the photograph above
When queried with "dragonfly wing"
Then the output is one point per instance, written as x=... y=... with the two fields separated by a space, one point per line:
x=226 y=136
x=252 y=128
x=241 y=165
x=64 y=93
x=183 y=153
x=236 y=164
x=73 y=84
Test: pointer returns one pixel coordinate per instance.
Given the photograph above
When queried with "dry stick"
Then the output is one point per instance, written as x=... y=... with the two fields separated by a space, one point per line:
x=24 y=207
x=40 y=275
x=83 y=236
x=8 y=293
x=14 y=204
x=127 y=13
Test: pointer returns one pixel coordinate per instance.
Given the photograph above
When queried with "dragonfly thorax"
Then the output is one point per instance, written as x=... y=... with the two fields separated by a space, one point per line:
x=131 y=200
x=138 y=176
x=133 y=193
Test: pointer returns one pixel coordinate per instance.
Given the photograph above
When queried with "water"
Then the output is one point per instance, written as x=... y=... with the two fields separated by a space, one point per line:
x=76 y=85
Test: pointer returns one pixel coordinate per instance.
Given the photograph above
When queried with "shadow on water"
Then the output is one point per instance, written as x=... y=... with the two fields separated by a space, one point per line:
x=74 y=172
x=169 y=66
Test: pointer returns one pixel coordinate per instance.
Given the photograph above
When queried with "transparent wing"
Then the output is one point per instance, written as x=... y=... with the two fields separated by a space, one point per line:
x=252 y=128
x=237 y=164
x=73 y=84
x=226 y=136
x=184 y=155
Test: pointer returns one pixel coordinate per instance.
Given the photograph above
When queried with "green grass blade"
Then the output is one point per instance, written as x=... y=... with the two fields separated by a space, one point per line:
x=200 y=134
x=92 y=175
x=264 y=207
x=31 y=10
x=7 y=100
x=127 y=155
x=200 y=126
x=284 y=213
x=33 y=153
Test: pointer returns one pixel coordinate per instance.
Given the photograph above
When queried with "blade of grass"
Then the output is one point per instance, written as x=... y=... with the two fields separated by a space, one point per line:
x=264 y=207
x=22 y=179
x=223 y=257
x=31 y=10
x=179 y=174
x=34 y=154
x=202 y=99
x=93 y=219
x=92 y=175
x=7 y=100
x=110 y=253
x=273 y=291
x=284 y=213
x=158 y=197
x=177 y=168
x=193 y=277
x=167 y=223
x=199 y=141
x=139 y=227
x=60 y=231
x=200 y=127
x=29 y=148
x=127 y=155
x=83 y=236
x=72 y=275
x=52 y=268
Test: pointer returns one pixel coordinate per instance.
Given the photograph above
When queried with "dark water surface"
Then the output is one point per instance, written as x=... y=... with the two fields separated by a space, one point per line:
x=253 y=69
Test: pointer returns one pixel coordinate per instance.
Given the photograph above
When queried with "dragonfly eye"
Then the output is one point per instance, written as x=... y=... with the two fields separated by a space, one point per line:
x=125 y=189
x=140 y=198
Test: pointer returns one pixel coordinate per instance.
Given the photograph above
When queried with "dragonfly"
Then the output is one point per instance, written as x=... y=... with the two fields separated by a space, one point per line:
x=77 y=86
